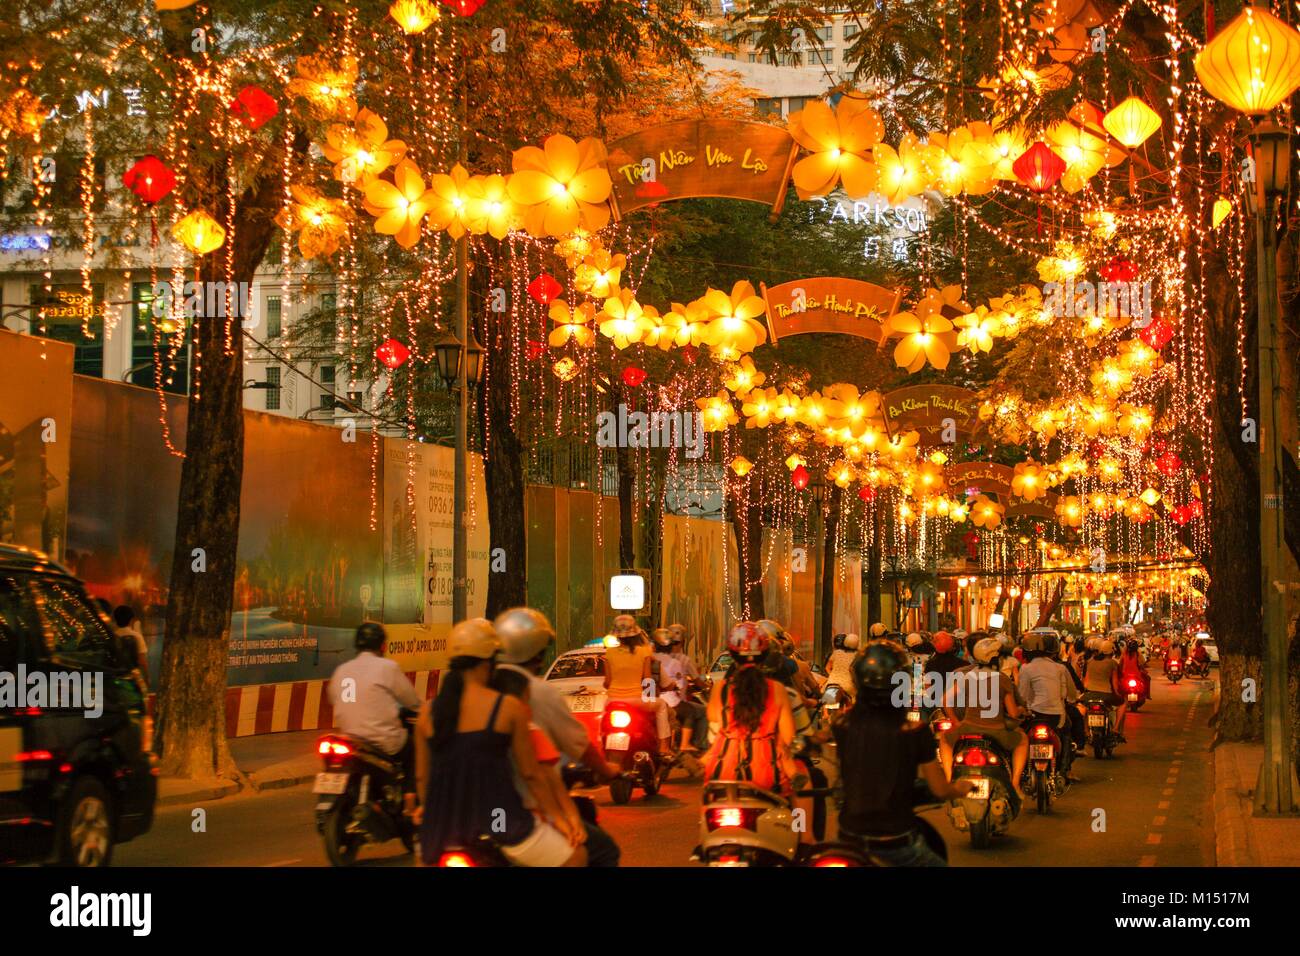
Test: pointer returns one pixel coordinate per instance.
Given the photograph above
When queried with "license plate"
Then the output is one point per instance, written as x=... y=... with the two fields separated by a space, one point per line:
x=1132 y=698
x=1096 y=720
x=1040 y=751
x=981 y=791
x=330 y=783
x=582 y=703
x=914 y=716
x=618 y=741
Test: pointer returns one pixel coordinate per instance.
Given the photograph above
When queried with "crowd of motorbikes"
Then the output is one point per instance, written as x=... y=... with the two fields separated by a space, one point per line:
x=360 y=797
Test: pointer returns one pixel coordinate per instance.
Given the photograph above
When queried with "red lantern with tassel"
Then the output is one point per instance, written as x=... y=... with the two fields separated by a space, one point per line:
x=1168 y=464
x=545 y=289
x=867 y=493
x=800 y=477
x=633 y=376
x=464 y=8
x=393 y=354
x=1039 y=167
x=1157 y=334
x=254 y=106
x=150 y=179
x=1120 y=270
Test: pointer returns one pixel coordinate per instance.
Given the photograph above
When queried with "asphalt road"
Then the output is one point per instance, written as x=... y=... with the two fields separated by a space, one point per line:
x=1149 y=806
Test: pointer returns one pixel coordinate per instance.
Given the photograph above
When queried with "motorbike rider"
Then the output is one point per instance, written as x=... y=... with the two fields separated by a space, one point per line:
x=804 y=680
x=839 y=666
x=368 y=694
x=1002 y=726
x=672 y=691
x=1176 y=652
x=1201 y=657
x=1046 y=688
x=680 y=634
x=881 y=755
x=754 y=719
x=630 y=678
x=1101 y=682
x=945 y=657
x=467 y=736
x=807 y=737
x=1132 y=666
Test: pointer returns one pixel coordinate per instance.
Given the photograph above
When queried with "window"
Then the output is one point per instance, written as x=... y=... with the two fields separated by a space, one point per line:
x=175 y=373
x=769 y=107
x=329 y=307
x=77 y=318
x=272 y=316
x=821 y=56
x=73 y=631
x=851 y=30
x=18 y=622
x=273 y=388
x=327 y=380
x=753 y=58
x=354 y=399
x=826 y=32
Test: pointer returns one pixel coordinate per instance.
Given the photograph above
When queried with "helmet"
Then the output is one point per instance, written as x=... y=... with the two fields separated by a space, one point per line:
x=678 y=631
x=662 y=637
x=960 y=634
x=877 y=631
x=747 y=640
x=987 y=650
x=1051 y=644
x=1107 y=648
x=1032 y=642
x=370 y=636
x=524 y=633
x=852 y=642
x=772 y=629
x=875 y=667
x=914 y=640
x=473 y=638
x=943 y=642
x=1132 y=645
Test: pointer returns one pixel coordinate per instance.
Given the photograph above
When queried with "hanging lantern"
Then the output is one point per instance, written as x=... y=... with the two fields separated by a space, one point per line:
x=199 y=233
x=1252 y=64
x=254 y=106
x=1168 y=464
x=1222 y=209
x=566 y=369
x=393 y=354
x=741 y=466
x=800 y=477
x=535 y=350
x=544 y=288
x=867 y=493
x=633 y=376
x=651 y=189
x=1132 y=122
x=1039 y=167
x=1157 y=334
x=413 y=16
x=150 y=179
x=464 y=8
x=1119 y=270
x=690 y=353
x=1181 y=515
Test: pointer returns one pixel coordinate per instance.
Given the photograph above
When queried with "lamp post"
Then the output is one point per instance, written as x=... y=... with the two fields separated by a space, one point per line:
x=1253 y=65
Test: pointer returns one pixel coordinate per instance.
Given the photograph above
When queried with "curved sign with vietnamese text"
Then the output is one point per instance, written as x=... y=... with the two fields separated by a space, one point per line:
x=828 y=304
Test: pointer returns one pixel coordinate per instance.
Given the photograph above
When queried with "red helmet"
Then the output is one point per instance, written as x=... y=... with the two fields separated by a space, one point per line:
x=747 y=640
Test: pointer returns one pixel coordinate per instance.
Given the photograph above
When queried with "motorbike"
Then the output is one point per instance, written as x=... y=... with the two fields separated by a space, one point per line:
x=1135 y=691
x=484 y=852
x=1100 y=718
x=1174 y=670
x=833 y=700
x=990 y=808
x=1049 y=761
x=627 y=733
x=1197 y=668
x=359 y=797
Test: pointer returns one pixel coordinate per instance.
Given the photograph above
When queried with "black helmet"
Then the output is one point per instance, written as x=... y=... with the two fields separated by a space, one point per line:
x=874 y=669
x=1132 y=645
x=370 y=637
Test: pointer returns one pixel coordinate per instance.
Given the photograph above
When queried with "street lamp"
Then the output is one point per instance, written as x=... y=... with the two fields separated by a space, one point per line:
x=1252 y=66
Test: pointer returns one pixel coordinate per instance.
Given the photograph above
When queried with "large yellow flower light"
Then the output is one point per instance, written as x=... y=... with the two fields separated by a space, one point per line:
x=321 y=222
x=414 y=16
x=599 y=273
x=620 y=319
x=906 y=172
x=400 y=205
x=1069 y=512
x=327 y=85
x=840 y=144
x=448 y=201
x=786 y=407
x=759 y=407
x=1084 y=154
x=985 y=513
x=966 y=164
x=571 y=324
x=1028 y=481
x=743 y=376
x=904 y=447
x=978 y=330
x=1009 y=144
x=488 y=208
x=924 y=339
x=662 y=331
x=561 y=186
x=1135 y=421
x=732 y=318
x=718 y=412
x=1252 y=64
x=361 y=150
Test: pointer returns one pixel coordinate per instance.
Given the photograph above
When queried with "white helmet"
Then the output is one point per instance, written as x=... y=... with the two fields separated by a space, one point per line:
x=524 y=634
x=877 y=631
x=1091 y=643
x=1107 y=648
x=473 y=638
x=914 y=639
x=851 y=642
x=987 y=650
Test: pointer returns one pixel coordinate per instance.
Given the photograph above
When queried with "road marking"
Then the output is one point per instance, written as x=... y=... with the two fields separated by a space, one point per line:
x=1154 y=838
x=1158 y=822
x=1167 y=793
x=1147 y=861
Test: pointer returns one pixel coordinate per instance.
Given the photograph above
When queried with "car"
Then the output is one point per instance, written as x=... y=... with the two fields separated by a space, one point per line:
x=579 y=675
x=77 y=772
x=1204 y=640
x=718 y=669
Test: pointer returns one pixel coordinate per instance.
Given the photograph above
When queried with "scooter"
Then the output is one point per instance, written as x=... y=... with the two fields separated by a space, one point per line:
x=1174 y=670
x=990 y=808
x=1135 y=691
x=1045 y=772
x=1198 y=669
x=1101 y=728
x=359 y=798
x=628 y=735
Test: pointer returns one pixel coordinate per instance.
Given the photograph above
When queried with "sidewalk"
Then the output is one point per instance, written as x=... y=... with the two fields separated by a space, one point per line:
x=1241 y=838
x=269 y=761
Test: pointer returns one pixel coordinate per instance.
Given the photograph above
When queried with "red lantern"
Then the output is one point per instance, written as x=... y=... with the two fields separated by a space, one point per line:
x=150 y=179
x=544 y=288
x=464 y=8
x=800 y=477
x=633 y=376
x=393 y=353
x=1119 y=270
x=1157 y=334
x=972 y=540
x=867 y=493
x=651 y=189
x=1181 y=514
x=1168 y=464
x=254 y=106
x=535 y=350
x=1197 y=509
x=1038 y=167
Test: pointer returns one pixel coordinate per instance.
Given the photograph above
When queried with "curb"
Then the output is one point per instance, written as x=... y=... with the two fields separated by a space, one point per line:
x=1231 y=835
x=199 y=795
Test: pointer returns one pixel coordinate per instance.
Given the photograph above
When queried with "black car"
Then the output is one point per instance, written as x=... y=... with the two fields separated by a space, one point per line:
x=76 y=771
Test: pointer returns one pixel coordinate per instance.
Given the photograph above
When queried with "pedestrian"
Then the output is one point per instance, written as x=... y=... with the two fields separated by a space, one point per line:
x=128 y=634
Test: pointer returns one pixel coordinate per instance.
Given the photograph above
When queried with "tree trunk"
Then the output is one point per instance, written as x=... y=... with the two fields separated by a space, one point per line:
x=1048 y=610
x=874 y=609
x=827 y=597
x=504 y=479
x=746 y=522
x=626 y=489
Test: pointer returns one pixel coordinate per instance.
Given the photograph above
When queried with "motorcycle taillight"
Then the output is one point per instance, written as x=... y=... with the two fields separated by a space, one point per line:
x=717 y=817
x=620 y=719
x=1041 y=732
x=456 y=858
x=833 y=859
x=974 y=758
x=329 y=747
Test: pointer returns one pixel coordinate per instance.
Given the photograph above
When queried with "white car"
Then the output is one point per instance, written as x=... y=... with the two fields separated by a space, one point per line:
x=580 y=676
x=1211 y=648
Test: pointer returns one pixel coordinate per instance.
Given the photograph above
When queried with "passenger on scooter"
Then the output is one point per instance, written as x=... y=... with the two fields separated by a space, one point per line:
x=1131 y=666
x=754 y=719
x=368 y=694
x=1045 y=686
x=945 y=658
x=629 y=678
x=672 y=691
x=1101 y=682
x=1002 y=726
x=807 y=737
x=881 y=755
x=466 y=737
x=839 y=666
x=804 y=680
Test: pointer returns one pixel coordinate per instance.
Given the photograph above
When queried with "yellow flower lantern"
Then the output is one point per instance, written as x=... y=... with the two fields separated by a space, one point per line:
x=448 y=201
x=488 y=208
x=621 y=319
x=1252 y=64
x=327 y=86
x=732 y=321
x=599 y=273
x=718 y=412
x=399 y=206
x=1028 y=481
x=1069 y=512
x=985 y=513
x=1132 y=122
x=199 y=233
x=414 y=16
x=840 y=144
x=361 y=150
x=321 y=222
x=743 y=376
x=571 y=324
x=924 y=339
x=561 y=186
x=759 y=407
